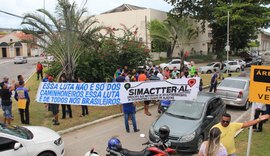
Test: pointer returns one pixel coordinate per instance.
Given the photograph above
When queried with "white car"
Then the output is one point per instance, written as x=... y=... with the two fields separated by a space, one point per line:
x=30 y=141
x=50 y=58
x=241 y=62
x=20 y=59
x=232 y=66
x=209 y=68
x=174 y=63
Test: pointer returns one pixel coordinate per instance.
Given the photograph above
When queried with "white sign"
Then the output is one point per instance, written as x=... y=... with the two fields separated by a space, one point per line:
x=105 y=94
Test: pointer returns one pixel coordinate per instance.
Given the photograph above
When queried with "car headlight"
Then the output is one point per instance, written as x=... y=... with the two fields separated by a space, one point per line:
x=187 y=138
x=58 y=142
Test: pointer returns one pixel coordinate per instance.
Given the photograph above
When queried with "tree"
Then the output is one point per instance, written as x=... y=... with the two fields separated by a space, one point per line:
x=246 y=18
x=174 y=30
x=60 y=35
x=99 y=64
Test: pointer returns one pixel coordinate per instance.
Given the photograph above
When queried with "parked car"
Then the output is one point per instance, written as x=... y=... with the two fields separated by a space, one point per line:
x=189 y=121
x=209 y=68
x=241 y=62
x=234 y=91
x=174 y=63
x=232 y=66
x=253 y=61
x=50 y=58
x=266 y=57
x=20 y=59
x=29 y=141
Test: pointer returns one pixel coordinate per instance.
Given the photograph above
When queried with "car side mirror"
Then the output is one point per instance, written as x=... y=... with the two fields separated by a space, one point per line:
x=210 y=117
x=17 y=146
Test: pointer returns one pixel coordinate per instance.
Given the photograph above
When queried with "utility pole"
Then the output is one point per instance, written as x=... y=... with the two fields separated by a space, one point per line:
x=227 y=48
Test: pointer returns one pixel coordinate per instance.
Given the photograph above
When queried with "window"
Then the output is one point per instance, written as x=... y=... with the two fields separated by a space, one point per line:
x=176 y=62
x=6 y=144
x=216 y=65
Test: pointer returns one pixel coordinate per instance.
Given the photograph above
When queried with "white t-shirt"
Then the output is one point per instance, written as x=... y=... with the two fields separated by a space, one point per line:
x=160 y=76
x=221 y=152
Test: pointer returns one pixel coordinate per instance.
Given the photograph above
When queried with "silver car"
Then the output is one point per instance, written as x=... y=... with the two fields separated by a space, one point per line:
x=234 y=91
x=189 y=121
x=20 y=59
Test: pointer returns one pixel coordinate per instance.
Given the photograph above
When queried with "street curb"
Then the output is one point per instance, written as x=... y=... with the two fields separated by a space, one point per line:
x=95 y=122
x=238 y=132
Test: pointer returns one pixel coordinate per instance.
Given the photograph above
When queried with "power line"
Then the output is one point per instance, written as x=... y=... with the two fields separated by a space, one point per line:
x=11 y=14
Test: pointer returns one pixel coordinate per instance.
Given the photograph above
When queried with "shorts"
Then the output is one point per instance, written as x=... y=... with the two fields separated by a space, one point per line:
x=146 y=102
x=7 y=111
x=55 y=109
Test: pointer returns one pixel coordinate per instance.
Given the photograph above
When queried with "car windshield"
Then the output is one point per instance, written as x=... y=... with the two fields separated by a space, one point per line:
x=209 y=64
x=18 y=131
x=186 y=109
x=233 y=83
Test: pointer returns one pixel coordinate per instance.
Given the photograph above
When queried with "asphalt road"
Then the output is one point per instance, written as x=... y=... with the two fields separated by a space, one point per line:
x=96 y=136
x=8 y=68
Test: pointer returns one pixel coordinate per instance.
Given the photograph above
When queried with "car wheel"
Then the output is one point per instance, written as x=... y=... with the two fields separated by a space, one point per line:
x=46 y=154
x=200 y=141
x=237 y=70
x=209 y=72
x=246 y=106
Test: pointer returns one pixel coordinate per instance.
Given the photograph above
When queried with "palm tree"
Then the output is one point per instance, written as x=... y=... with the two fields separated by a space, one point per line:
x=61 y=36
x=173 y=30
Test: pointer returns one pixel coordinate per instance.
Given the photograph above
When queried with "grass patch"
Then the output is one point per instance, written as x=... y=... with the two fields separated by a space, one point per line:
x=259 y=144
x=39 y=114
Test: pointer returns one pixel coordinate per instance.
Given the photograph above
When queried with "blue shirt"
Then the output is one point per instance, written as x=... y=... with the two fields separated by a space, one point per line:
x=129 y=108
x=21 y=93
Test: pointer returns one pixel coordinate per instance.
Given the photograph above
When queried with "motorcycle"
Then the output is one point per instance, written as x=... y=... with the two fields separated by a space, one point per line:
x=153 y=149
x=163 y=106
x=92 y=152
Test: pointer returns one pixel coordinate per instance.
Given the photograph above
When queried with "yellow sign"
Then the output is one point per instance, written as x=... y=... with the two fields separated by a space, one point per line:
x=21 y=103
x=259 y=90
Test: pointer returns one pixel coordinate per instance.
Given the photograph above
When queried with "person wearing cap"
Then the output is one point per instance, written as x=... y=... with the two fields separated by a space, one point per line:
x=21 y=93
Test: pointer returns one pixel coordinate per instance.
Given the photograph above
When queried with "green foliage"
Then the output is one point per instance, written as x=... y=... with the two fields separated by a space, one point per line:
x=61 y=34
x=174 y=31
x=54 y=69
x=246 y=18
x=99 y=64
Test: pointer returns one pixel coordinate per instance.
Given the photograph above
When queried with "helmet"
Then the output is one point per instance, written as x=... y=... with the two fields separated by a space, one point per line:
x=164 y=132
x=114 y=144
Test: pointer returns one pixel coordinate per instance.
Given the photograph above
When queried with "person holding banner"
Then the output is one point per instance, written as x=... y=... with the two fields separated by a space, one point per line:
x=54 y=107
x=22 y=96
x=228 y=130
x=84 y=107
x=63 y=79
x=143 y=77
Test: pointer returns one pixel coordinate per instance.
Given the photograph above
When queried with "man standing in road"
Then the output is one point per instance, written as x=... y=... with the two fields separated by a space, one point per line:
x=228 y=130
x=214 y=81
x=129 y=110
x=39 y=71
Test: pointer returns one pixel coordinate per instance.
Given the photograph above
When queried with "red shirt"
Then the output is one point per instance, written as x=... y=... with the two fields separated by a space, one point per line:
x=39 y=66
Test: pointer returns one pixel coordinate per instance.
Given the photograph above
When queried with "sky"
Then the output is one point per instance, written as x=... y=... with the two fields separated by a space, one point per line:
x=20 y=7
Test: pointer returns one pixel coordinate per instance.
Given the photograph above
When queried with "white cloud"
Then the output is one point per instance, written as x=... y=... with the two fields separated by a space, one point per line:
x=20 y=7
